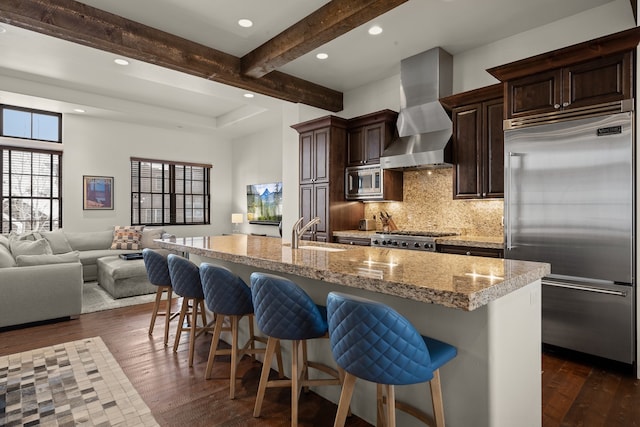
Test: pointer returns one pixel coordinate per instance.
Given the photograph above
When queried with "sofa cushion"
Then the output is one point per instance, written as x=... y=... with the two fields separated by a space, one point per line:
x=29 y=260
x=148 y=235
x=4 y=241
x=89 y=241
x=127 y=237
x=29 y=247
x=6 y=259
x=90 y=257
x=58 y=241
x=29 y=235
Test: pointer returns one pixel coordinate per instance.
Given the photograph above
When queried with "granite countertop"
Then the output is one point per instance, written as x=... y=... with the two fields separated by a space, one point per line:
x=491 y=242
x=466 y=283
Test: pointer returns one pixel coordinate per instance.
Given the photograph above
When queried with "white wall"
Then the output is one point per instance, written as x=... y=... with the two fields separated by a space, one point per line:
x=103 y=147
x=257 y=159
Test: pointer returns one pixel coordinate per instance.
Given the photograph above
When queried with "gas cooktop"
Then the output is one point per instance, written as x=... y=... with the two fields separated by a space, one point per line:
x=406 y=239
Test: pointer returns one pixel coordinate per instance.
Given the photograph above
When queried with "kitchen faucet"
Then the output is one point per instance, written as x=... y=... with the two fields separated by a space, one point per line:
x=296 y=232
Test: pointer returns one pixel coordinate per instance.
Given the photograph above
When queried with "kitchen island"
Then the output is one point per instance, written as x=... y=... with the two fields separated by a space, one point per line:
x=488 y=308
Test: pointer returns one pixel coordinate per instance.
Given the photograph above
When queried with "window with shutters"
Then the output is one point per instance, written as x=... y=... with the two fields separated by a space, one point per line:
x=169 y=193
x=31 y=190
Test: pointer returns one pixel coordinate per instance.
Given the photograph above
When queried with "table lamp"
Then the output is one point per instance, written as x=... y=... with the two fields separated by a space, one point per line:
x=236 y=219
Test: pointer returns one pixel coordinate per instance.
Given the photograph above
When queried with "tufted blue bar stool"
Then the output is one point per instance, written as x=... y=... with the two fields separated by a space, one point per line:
x=372 y=341
x=158 y=274
x=228 y=296
x=185 y=279
x=285 y=312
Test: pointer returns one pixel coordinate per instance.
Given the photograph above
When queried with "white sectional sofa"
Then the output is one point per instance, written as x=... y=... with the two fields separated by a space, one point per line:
x=41 y=274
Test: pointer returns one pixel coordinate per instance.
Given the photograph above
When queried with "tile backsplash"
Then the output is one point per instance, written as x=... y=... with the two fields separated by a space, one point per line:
x=429 y=205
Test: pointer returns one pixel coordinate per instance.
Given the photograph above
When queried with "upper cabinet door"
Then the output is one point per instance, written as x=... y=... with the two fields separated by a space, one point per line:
x=355 y=147
x=321 y=153
x=493 y=113
x=539 y=93
x=602 y=80
x=307 y=147
x=375 y=138
x=467 y=151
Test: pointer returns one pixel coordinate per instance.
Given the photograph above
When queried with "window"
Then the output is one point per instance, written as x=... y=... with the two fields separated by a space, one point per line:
x=31 y=190
x=169 y=193
x=27 y=123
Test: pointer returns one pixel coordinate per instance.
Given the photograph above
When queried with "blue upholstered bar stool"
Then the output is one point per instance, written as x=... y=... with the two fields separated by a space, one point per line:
x=228 y=296
x=372 y=341
x=158 y=274
x=185 y=279
x=285 y=312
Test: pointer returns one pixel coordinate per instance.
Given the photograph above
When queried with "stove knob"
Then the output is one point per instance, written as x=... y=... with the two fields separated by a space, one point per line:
x=429 y=245
x=375 y=242
x=394 y=243
x=404 y=244
x=384 y=242
x=416 y=245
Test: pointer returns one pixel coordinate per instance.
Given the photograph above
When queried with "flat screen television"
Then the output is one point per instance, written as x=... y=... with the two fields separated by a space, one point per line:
x=264 y=203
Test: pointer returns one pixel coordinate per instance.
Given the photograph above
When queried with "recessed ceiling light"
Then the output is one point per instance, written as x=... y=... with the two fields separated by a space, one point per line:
x=245 y=23
x=375 y=30
x=78 y=110
x=121 y=61
x=248 y=95
x=322 y=56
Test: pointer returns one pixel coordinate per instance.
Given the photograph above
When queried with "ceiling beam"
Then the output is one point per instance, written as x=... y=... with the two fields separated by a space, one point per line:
x=325 y=24
x=79 y=23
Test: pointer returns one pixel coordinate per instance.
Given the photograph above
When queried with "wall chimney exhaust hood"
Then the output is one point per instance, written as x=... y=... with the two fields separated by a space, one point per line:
x=424 y=127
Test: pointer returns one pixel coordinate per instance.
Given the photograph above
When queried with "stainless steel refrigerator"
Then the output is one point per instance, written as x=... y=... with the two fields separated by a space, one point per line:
x=569 y=201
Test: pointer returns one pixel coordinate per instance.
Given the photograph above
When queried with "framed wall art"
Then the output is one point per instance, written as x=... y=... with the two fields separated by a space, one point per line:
x=97 y=192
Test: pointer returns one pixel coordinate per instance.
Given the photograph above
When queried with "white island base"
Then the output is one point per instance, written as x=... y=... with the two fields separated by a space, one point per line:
x=495 y=380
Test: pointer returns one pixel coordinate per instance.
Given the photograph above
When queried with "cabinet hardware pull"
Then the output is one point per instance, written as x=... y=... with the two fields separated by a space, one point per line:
x=584 y=288
x=565 y=104
x=468 y=253
x=556 y=106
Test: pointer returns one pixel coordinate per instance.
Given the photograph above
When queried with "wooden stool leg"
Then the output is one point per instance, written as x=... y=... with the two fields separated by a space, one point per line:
x=156 y=308
x=234 y=355
x=436 y=398
x=391 y=406
x=183 y=311
x=203 y=313
x=192 y=330
x=279 y=360
x=167 y=314
x=345 y=399
x=296 y=371
x=380 y=416
x=264 y=376
x=217 y=330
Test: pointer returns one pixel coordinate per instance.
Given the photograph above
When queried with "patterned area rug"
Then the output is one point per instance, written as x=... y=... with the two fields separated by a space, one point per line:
x=75 y=383
x=94 y=298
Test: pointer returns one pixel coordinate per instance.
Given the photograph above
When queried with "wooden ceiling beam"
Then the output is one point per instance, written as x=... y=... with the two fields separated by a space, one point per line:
x=325 y=24
x=79 y=23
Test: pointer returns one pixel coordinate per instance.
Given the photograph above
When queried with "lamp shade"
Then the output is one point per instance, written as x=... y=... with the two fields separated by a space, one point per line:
x=236 y=218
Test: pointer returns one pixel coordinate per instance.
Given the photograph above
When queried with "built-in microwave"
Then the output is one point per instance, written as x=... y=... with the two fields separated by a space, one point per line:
x=371 y=182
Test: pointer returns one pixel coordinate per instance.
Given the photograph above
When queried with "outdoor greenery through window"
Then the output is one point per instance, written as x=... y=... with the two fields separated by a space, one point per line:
x=169 y=193
x=31 y=190
x=33 y=124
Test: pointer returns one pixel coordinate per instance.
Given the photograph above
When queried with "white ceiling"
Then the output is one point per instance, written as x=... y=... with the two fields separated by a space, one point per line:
x=43 y=72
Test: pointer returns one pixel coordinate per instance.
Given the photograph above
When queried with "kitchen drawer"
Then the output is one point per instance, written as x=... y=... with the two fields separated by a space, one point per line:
x=470 y=250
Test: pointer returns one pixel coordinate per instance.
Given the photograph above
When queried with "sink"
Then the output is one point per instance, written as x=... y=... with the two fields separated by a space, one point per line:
x=321 y=248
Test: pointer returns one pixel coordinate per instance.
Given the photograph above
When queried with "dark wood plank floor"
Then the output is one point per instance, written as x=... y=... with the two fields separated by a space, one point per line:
x=577 y=391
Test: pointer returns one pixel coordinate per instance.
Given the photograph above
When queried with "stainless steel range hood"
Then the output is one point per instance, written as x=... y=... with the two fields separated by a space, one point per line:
x=424 y=127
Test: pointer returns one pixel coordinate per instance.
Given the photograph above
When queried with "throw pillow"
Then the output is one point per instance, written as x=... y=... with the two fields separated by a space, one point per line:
x=29 y=260
x=29 y=235
x=148 y=235
x=6 y=259
x=127 y=237
x=30 y=247
x=58 y=241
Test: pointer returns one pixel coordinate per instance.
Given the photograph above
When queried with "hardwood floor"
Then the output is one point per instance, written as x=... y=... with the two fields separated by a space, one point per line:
x=576 y=390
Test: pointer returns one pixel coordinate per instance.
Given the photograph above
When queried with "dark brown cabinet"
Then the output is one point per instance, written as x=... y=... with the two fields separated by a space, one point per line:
x=368 y=136
x=598 y=81
x=478 y=143
x=594 y=72
x=470 y=251
x=322 y=163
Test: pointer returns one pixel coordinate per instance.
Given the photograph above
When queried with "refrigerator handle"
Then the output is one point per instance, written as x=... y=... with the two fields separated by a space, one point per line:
x=509 y=193
x=583 y=288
